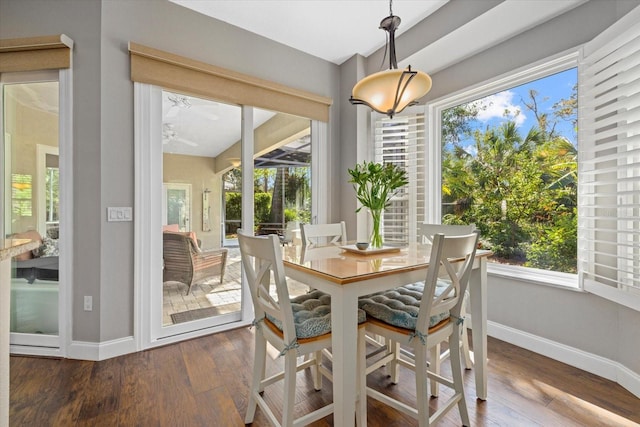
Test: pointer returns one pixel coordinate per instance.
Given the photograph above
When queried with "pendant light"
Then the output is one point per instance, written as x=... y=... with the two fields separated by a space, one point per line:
x=391 y=91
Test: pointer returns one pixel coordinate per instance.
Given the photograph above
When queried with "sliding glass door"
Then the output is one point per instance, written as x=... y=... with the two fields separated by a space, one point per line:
x=32 y=207
x=190 y=275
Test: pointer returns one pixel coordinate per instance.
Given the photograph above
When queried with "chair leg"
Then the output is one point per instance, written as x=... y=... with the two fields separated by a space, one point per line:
x=468 y=361
x=259 y=360
x=394 y=366
x=434 y=365
x=315 y=371
x=290 y=370
x=422 y=397
x=456 y=371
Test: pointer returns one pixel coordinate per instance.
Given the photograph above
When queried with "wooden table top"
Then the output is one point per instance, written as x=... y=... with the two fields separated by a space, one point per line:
x=342 y=266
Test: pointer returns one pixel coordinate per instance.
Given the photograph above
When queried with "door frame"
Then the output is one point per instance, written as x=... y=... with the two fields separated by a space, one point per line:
x=148 y=329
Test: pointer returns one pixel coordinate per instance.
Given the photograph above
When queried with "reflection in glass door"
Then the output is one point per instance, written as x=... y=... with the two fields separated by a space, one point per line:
x=31 y=206
x=176 y=209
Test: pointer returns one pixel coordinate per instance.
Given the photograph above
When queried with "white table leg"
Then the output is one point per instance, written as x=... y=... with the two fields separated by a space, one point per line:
x=478 y=290
x=344 y=324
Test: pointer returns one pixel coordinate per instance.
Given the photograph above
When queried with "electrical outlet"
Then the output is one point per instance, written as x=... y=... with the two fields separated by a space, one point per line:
x=88 y=303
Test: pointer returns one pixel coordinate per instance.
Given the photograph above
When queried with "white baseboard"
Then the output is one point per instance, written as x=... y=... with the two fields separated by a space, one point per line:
x=629 y=380
x=27 y=350
x=101 y=351
x=594 y=364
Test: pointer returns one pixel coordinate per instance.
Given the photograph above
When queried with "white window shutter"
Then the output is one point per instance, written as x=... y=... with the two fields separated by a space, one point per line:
x=400 y=141
x=609 y=163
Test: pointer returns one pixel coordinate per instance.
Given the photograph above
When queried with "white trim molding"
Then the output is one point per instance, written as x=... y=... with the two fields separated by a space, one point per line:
x=580 y=359
x=83 y=350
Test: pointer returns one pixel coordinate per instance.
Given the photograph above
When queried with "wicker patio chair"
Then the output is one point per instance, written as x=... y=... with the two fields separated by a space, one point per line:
x=184 y=262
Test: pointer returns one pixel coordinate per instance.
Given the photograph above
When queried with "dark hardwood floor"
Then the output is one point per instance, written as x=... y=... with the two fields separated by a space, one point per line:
x=204 y=382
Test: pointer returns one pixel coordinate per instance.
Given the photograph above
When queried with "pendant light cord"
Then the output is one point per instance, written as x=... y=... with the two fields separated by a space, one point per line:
x=386 y=39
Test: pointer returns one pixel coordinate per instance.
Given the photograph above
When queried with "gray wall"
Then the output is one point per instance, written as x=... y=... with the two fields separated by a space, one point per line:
x=103 y=122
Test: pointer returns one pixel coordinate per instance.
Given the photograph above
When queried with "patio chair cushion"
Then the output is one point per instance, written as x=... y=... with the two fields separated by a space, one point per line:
x=312 y=314
x=400 y=306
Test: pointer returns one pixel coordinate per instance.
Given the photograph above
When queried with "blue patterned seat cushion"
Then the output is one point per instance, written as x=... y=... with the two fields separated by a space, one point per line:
x=312 y=314
x=400 y=306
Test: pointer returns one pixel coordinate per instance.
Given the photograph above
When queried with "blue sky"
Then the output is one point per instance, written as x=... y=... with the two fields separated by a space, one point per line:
x=550 y=90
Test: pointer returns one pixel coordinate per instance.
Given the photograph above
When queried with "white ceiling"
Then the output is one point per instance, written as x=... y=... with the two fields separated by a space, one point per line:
x=329 y=29
x=335 y=30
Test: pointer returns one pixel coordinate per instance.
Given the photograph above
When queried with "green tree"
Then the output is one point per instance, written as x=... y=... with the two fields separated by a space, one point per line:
x=520 y=191
x=263 y=179
x=456 y=122
x=261 y=206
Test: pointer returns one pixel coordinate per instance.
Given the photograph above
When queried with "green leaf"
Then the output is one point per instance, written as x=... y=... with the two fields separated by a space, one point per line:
x=375 y=184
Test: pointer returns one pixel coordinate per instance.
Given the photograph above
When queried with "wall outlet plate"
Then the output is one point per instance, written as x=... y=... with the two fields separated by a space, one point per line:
x=119 y=214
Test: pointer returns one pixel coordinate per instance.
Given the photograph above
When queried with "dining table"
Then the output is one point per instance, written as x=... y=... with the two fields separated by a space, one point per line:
x=347 y=273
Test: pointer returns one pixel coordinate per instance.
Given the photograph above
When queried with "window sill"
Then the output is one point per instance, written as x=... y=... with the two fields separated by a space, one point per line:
x=533 y=275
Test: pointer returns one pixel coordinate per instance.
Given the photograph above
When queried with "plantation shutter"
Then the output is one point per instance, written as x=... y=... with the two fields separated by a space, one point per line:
x=609 y=198
x=400 y=141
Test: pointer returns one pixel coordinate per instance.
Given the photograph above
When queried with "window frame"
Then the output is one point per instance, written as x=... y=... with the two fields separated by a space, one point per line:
x=41 y=152
x=433 y=154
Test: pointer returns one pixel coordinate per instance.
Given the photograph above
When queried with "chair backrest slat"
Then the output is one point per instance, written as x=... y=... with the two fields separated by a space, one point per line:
x=317 y=234
x=451 y=257
x=427 y=231
x=262 y=262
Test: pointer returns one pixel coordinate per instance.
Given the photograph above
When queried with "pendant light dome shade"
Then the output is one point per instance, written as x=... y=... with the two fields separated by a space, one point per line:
x=391 y=91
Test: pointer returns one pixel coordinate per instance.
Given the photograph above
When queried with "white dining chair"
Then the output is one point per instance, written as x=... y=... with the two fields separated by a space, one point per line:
x=297 y=326
x=421 y=324
x=426 y=233
x=319 y=234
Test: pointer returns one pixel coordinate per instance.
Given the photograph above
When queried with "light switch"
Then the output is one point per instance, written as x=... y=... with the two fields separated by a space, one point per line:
x=119 y=214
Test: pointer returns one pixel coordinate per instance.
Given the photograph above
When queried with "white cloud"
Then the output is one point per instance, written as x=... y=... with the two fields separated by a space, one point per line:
x=500 y=106
x=471 y=149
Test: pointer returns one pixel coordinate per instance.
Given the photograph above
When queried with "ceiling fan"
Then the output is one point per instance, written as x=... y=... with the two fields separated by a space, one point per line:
x=202 y=108
x=177 y=102
x=170 y=135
